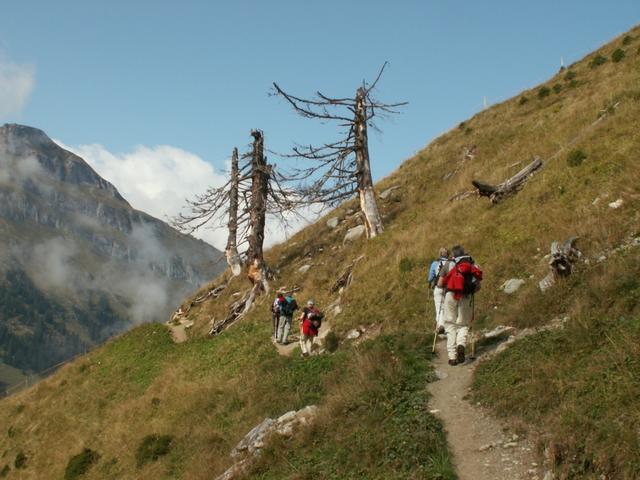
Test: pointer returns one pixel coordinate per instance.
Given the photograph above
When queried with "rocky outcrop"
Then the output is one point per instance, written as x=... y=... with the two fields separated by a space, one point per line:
x=250 y=447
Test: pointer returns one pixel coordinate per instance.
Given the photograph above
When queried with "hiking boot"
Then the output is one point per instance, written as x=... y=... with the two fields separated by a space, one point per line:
x=453 y=362
x=460 y=353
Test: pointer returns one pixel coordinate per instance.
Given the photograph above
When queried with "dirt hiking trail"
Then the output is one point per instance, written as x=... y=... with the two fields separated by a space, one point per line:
x=483 y=448
x=294 y=337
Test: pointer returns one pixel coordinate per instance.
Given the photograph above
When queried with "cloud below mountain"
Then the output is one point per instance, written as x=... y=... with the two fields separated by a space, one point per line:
x=16 y=85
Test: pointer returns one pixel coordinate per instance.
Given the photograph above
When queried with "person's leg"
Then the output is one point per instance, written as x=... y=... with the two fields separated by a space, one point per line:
x=438 y=297
x=303 y=344
x=463 y=320
x=286 y=326
x=449 y=314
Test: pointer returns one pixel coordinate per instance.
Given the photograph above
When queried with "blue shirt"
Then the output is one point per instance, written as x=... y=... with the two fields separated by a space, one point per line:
x=435 y=265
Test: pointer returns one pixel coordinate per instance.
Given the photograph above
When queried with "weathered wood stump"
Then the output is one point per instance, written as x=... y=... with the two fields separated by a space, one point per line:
x=561 y=262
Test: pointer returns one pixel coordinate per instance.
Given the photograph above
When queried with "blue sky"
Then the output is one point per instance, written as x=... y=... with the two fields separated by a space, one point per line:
x=195 y=75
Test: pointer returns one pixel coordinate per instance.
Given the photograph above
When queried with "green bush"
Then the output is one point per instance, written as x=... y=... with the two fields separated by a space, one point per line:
x=20 y=461
x=618 y=55
x=5 y=471
x=523 y=100
x=570 y=75
x=331 y=341
x=405 y=265
x=544 y=92
x=79 y=464
x=573 y=84
x=557 y=88
x=597 y=61
x=152 y=447
x=575 y=158
x=627 y=40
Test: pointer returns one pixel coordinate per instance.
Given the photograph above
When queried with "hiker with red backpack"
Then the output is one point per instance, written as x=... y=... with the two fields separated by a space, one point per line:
x=438 y=292
x=461 y=278
x=310 y=322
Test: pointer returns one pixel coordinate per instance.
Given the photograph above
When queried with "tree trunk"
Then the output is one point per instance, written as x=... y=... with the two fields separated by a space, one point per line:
x=259 y=190
x=510 y=186
x=366 y=192
x=233 y=258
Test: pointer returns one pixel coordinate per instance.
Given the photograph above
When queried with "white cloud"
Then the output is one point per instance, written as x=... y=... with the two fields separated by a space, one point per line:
x=16 y=84
x=158 y=180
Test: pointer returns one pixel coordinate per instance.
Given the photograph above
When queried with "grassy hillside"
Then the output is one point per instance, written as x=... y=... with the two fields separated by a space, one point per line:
x=578 y=386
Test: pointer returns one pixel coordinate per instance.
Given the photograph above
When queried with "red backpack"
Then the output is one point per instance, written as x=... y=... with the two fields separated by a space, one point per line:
x=464 y=278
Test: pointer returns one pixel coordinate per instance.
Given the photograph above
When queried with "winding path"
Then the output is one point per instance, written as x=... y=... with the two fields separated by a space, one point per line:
x=482 y=446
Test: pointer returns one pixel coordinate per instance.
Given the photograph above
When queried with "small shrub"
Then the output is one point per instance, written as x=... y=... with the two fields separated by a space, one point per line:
x=79 y=464
x=331 y=341
x=468 y=130
x=523 y=100
x=570 y=75
x=155 y=401
x=557 y=88
x=597 y=61
x=405 y=265
x=11 y=432
x=462 y=125
x=543 y=92
x=152 y=447
x=575 y=158
x=20 y=461
x=573 y=84
x=618 y=55
x=5 y=471
x=627 y=40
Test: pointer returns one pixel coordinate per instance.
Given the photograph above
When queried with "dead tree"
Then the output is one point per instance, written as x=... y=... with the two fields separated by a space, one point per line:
x=231 y=251
x=511 y=186
x=342 y=168
x=561 y=262
x=251 y=192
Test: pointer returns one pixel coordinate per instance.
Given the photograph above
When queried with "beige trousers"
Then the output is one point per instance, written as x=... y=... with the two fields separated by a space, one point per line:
x=457 y=317
x=306 y=343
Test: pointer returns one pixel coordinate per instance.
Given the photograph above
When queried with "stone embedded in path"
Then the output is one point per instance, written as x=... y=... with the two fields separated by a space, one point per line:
x=512 y=285
x=353 y=334
x=354 y=233
x=617 y=204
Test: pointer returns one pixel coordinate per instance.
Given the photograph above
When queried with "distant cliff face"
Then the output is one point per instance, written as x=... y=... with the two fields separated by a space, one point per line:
x=77 y=262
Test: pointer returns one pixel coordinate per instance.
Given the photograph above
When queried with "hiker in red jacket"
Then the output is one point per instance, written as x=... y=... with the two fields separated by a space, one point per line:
x=310 y=322
x=461 y=278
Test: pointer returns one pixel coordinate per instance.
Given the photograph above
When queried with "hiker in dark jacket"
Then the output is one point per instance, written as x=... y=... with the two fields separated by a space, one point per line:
x=310 y=321
x=461 y=278
x=438 y=292
x=276 y=306
x=287 y=310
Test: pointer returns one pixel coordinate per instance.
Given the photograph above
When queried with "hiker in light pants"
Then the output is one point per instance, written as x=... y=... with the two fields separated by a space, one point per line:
x=461 y=278
x=286 y=316
x=438 y=266
x=309 y=325
x=457 y=316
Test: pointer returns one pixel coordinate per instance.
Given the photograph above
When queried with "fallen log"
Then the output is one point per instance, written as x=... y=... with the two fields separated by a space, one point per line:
x=511 y=186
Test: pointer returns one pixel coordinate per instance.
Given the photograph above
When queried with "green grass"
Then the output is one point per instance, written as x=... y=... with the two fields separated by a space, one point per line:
x=384 y=431
x=581 y=382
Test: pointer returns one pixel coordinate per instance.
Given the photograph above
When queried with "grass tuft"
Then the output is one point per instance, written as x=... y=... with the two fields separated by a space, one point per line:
x=80 y=464
x=152 y=447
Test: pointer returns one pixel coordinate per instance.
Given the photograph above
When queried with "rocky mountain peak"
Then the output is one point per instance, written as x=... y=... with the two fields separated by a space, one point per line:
x=20 y=143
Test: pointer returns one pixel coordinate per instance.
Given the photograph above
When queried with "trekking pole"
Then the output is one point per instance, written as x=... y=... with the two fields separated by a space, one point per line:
x=473 y=317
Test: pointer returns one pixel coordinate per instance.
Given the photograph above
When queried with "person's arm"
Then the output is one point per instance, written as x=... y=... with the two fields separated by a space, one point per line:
x=432 y=272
